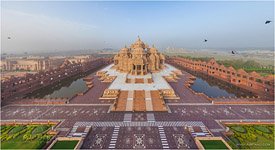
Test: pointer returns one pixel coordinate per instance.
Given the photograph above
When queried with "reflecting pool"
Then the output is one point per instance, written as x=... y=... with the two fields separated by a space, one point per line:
x=215 y=88
x=65 y=89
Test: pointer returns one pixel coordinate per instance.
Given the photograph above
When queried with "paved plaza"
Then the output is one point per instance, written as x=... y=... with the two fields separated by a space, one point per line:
x=190 y=116
x=158 y=80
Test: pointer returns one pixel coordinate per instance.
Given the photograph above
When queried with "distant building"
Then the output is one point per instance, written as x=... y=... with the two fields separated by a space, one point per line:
x=80 y=59
x=30 y=64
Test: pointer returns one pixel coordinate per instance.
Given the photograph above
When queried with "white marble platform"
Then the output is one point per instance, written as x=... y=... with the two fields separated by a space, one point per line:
x=158 y=81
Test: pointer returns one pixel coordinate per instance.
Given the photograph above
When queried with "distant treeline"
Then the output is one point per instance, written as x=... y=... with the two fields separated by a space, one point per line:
x=248 y=65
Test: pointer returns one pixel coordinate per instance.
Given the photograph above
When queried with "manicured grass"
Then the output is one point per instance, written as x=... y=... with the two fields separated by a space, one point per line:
x=40 y=129
x=17 y=129
x=239 y=129
x=255 y=137
x=65 y=144
x=12 y=136
x=213 y=144
x=19 y=143
x=263 y=129
x=5 y=128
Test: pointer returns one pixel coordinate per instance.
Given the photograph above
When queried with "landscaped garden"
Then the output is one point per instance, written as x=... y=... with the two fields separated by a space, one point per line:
x=251 y=136
x=24 y=136
x=65 y=144
x=213 y=144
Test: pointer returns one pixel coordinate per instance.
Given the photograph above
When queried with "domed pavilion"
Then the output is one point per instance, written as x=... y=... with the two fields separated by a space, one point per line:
x=139 y=59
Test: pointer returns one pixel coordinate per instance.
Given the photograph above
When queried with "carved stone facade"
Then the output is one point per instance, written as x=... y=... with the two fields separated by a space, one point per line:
x=139 y=59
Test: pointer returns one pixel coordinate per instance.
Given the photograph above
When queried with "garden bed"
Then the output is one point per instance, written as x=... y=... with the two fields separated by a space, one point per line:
x=255 y=136
x=66 y=144
x=213 y=144
x=24 y=136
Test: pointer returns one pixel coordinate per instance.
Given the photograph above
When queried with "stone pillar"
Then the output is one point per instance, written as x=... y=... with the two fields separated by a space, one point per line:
x=135 y=70
x=142 y=70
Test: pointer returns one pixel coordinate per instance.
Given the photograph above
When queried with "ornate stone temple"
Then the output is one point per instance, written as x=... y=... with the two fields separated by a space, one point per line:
x=139 y=59
x=139 y=79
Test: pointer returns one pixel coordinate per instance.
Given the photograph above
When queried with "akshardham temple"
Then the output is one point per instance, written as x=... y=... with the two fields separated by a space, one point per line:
x=139 y=59
x=138 y=79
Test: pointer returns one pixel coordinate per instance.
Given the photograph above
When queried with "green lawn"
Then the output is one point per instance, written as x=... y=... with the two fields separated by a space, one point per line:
x=239 y=129
x=263 y=129
x=213 y=144
x=17 y=129
x=19 y=143
x=40 y=129
x=12 y=136
x=65 y=144
x=255 y=137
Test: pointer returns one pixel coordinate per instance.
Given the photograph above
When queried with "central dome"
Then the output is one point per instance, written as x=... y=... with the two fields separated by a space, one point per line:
x=138 y=44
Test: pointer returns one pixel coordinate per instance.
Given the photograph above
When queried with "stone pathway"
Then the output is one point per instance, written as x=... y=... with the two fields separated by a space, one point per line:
x=127 y=117
x=163 y=138
x=140 y=124
x=114 y=137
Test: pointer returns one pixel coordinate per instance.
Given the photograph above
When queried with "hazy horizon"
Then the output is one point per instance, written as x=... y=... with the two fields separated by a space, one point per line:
x=64 y=26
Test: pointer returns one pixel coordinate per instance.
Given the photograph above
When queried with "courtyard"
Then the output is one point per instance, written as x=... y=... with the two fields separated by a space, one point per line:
x=188 y=117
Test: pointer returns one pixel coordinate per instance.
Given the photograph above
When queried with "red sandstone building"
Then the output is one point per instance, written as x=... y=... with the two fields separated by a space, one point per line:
x=253 y=81
x=18 y=86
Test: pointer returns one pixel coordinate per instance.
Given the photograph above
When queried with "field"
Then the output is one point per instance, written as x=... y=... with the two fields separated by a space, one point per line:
x=65 y=144
x=213 y=144
x=24 y=136
x=252 y=136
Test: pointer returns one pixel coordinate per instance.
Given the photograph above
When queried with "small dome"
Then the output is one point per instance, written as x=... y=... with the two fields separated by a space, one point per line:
x=124 y=50
x=162 y=57
x=153 y=49
x=116 y=57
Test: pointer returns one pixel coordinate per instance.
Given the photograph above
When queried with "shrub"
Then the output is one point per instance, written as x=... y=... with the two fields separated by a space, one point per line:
x=45 y=138
x=4 y=137
x=9 y=137
x=26 y=137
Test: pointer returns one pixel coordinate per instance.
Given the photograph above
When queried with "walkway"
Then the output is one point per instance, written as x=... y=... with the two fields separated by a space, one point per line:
x=140 y=124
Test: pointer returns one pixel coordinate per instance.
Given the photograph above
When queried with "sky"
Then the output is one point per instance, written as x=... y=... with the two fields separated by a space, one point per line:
x=69 y=25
